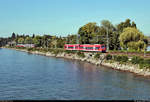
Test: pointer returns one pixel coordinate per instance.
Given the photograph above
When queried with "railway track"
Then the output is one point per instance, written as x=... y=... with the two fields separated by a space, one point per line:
x=130 y=54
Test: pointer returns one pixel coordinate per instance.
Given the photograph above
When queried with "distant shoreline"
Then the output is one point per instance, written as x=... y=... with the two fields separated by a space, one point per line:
x=99 y=62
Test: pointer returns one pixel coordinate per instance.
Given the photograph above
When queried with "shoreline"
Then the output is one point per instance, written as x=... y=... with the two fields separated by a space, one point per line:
x=99 y=62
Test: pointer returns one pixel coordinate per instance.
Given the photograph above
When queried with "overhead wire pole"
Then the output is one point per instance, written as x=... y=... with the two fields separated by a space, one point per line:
x=77 y=41
x=144 y=52
x=78 y=36
x=107 y=40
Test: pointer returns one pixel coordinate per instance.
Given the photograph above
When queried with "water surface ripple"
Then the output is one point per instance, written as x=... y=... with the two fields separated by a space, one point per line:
x=34 y=77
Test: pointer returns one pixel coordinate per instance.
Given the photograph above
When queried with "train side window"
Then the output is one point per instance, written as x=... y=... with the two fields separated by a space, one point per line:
x=97 y=48
x=89 y=48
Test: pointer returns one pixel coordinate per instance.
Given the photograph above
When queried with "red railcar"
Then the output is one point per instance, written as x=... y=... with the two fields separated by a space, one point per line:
x=20 y=45
x=86 y=47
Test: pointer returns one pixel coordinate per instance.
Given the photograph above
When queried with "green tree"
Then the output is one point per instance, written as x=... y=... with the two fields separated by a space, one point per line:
x=60 y=43
x=101 y=36
x=113 y=35
x=13 y=36
x=107 y=24
x=21 y=41
x=133 y=24
x=28 y=40
x=37 y=41
x=72 y=39
x=123 y=25
x=133 y=39
x=53 y=43
x=86 y=32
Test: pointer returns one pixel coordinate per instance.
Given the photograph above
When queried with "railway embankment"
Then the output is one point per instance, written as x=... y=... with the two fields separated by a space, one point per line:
x=99 y=59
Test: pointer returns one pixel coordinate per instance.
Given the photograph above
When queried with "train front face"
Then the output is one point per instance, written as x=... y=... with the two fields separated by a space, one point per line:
x=103 y=47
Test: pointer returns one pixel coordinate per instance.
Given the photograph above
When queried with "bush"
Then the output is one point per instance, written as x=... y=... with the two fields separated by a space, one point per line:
x=29 y=49
x=108 y=57
x=70 y=51
x=80 y=54
x=97 y=55
x=45 y=50
x=120 y=58
x=56 y=51
x=124 y=58
x=147 y=61
x=148 y=52
x=136 y=60
x=116 y=58
x=145 y=64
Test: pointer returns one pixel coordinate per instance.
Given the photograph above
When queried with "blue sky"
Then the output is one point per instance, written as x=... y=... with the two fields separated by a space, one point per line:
x=63 y=17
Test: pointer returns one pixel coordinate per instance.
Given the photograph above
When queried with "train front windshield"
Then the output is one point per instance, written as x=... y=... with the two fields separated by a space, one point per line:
x=103 y=47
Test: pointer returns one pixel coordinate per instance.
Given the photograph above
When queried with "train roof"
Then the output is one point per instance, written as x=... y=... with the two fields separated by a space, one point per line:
x=84 y=44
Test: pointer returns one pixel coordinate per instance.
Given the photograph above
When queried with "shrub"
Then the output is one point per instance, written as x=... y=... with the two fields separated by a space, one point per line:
x=80 y=54
x=145 y=64
x=69 y=51
x=125 y=58
x=117 y=58
x=120 y=58
x=136 y=60
x=30 y=49
x=55 y=52
x=50 y=50
x=97 y=55
x=148 y=52
x=108 y=57
x=45 y=50
x=147 y=61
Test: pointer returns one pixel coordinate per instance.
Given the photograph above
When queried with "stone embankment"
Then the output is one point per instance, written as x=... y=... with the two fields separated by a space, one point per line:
x=89 y=57
x=128 y=67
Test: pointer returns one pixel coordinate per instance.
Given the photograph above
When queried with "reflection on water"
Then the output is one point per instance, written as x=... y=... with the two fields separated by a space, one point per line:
x=28 y=76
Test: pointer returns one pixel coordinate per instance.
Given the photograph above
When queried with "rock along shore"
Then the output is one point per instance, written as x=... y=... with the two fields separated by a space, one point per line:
x=101 y=61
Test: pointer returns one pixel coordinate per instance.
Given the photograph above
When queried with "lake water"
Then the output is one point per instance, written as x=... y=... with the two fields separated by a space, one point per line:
x=34 y=77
